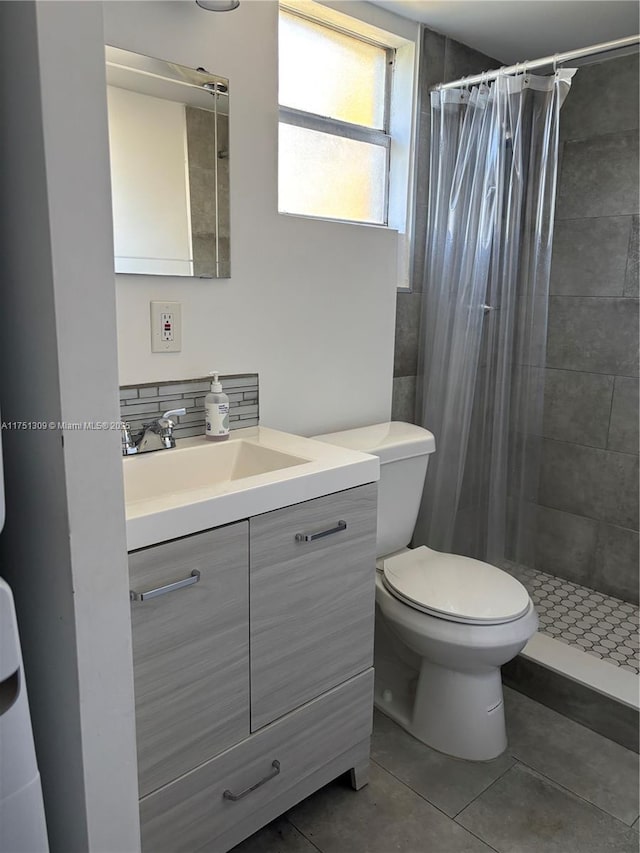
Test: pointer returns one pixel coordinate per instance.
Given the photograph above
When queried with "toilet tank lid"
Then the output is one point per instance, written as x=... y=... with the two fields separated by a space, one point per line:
x=390 y=441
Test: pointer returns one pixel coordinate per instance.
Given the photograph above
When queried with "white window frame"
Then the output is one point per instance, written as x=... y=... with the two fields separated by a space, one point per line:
x=392 y=32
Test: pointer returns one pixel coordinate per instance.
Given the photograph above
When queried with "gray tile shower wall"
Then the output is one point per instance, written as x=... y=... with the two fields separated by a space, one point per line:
x=441 y=59
x=140 y=404
x=206 y=169
x=588 y=516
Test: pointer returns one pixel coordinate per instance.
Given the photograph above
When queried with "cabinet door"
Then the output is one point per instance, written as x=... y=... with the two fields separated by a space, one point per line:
x=190 y=651
x=312 y=599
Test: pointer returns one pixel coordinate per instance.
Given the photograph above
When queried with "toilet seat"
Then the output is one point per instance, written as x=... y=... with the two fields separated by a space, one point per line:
x=455 y=588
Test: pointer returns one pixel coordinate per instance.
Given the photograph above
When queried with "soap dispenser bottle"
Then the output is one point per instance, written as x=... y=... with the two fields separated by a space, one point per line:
x=216 y=405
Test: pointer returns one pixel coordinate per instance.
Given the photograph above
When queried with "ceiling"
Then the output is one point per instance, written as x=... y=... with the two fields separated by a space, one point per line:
x=514 y=30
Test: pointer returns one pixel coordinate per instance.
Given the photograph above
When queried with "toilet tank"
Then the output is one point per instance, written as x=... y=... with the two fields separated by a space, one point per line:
x=403 y=450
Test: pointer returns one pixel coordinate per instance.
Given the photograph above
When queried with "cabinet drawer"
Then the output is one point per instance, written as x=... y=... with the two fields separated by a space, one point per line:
x=312 y=599
x=192 y=811
x=190 y=652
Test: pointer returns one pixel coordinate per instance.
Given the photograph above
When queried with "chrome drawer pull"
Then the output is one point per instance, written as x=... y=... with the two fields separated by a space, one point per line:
x=311 y=537
x=194 y=577
x=229 y=795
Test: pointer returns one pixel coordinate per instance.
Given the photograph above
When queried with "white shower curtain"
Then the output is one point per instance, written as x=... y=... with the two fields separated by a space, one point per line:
x=493 y=170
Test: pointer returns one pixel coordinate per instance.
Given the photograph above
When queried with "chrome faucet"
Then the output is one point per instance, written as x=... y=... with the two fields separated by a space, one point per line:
x=157 y=435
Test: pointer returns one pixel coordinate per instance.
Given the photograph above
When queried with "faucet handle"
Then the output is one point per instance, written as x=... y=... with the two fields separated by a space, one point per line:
x=174 y=412
x=167 y=418
x=128 y=444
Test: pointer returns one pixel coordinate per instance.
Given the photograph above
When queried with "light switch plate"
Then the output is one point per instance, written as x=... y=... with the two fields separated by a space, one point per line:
x=166 y=326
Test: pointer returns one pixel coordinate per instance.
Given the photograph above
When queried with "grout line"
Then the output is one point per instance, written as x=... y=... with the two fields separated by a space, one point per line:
x=586 y=372
x=407 y=785
x=611 y=133
x=574 y=793
x=604 y=216
x=589 y=518
x=300 y=832
x=613 y=394
x=474 y=835
x=497 y=779
x=598 y=216
x=579 y=370
x=630 y=242
x=591 y=447
x=580 y=444
x=433 y=805
x=592 y=296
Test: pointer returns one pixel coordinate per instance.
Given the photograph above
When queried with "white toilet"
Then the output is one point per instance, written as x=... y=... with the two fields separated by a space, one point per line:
x=445 y=624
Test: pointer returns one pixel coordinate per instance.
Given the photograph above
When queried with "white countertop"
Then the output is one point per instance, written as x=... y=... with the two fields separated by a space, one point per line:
x=180 y=511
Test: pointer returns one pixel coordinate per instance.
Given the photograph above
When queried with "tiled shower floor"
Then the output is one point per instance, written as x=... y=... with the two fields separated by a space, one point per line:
x=600 y=625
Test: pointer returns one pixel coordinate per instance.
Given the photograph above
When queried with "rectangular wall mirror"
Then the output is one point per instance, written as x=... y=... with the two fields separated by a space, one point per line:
x=169 y=150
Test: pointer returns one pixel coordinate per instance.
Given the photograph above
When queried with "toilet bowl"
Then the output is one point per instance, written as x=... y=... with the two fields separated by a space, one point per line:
x=457 y=703
x=445 y=624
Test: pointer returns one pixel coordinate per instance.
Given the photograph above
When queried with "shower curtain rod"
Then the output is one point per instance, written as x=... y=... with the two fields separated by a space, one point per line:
x=557 y=58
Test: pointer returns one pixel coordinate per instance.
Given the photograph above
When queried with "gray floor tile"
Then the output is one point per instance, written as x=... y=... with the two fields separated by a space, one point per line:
x=524 y=813
x=384 y=817
x=277 y=837
x=448 y=783
x=595 y=768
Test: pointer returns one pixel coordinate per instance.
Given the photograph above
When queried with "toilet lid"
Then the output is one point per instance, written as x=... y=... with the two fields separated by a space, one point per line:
x=455 y=588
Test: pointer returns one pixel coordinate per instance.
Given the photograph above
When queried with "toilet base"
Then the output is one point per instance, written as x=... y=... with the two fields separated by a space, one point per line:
x=460 y=713
x=463 y=716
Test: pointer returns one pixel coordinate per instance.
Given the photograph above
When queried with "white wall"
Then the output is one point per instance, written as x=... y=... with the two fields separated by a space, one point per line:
x=63 y=549
x=311 y=304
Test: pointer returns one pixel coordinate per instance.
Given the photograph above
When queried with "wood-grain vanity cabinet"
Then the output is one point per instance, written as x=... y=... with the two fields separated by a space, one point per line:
x=190 y=650
x=253 y=652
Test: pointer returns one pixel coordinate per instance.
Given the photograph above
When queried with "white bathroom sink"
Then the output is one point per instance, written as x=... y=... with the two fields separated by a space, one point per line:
x=200 y=466
x=201 y=484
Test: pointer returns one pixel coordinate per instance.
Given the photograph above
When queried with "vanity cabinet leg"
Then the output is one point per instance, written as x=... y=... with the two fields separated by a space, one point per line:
x=360 y=775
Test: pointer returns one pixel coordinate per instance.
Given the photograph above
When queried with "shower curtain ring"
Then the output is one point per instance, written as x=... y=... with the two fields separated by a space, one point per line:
x=555 y=63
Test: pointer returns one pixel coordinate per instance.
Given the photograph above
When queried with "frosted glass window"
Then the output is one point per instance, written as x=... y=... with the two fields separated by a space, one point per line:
x=334 y=111
x=330 y=73
x=320 y=174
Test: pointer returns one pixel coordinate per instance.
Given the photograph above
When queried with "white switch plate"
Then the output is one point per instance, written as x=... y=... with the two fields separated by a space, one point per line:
x=166 y=326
